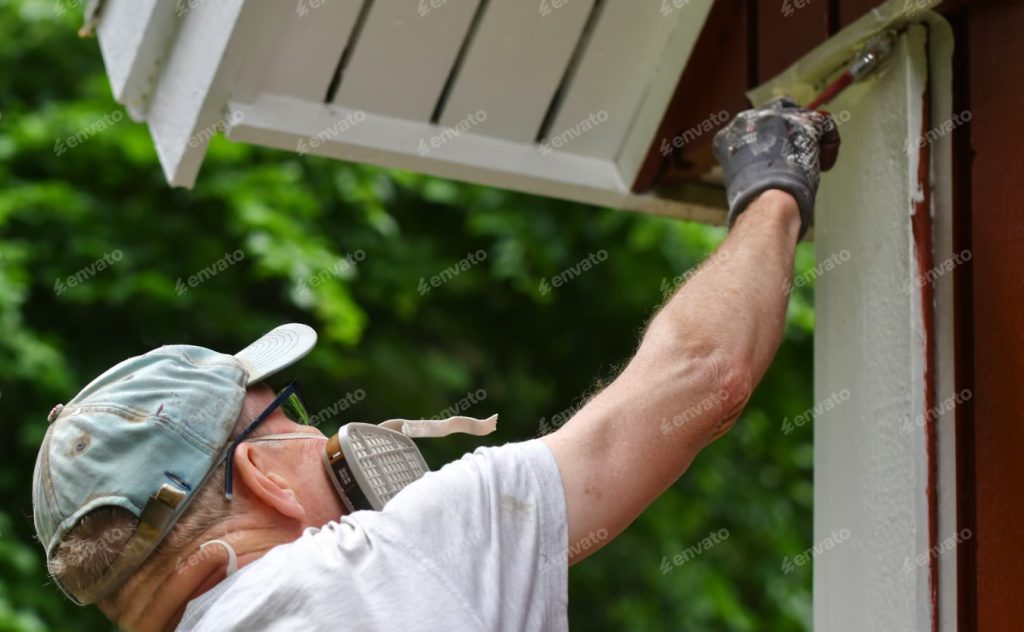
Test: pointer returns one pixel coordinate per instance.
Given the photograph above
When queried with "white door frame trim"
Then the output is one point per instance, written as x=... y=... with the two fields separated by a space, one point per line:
x=885 y=463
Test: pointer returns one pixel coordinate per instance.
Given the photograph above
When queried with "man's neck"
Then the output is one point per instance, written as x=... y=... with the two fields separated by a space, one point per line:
x=158 y=603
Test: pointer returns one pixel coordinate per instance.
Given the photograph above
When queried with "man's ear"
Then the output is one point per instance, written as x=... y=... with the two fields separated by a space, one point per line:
x=270 y=488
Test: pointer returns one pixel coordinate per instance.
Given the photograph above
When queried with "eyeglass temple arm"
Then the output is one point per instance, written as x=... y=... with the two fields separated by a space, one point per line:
x=229 y=465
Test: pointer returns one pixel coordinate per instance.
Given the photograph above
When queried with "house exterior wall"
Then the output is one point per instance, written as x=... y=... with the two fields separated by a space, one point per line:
x=990 y=289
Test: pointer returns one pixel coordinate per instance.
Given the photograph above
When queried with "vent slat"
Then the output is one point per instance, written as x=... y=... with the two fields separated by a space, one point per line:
x=404 y=56
x=514 y=65
x=308 y=48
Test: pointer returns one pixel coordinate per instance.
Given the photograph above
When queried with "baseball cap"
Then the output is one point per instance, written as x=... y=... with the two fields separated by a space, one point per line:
x=144 y=436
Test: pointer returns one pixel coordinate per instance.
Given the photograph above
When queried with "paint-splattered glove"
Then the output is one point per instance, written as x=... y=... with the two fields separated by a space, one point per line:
x=776 y=146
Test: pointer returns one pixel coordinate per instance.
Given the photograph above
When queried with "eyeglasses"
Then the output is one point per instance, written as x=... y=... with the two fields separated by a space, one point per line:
x=291 y=403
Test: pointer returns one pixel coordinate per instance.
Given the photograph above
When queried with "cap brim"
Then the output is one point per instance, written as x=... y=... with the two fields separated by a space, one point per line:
x=278 y=349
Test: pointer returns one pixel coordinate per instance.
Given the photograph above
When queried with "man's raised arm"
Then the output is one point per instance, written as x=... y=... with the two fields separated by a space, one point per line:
x=711 y=343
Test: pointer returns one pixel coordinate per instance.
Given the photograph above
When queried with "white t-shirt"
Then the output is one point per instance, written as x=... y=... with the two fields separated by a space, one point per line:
x=481 y=544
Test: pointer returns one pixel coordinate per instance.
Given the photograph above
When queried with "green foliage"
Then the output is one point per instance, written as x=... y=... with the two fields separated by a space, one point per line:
x=65 y=318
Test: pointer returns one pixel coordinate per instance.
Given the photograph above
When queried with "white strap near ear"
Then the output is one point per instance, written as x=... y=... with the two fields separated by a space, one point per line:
x=432 y=428
x=232 y=557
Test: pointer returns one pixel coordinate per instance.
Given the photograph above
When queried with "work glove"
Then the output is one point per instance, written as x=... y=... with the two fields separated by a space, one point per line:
x=776 y=146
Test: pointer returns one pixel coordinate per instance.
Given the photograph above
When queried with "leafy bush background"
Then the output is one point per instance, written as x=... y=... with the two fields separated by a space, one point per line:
x=413 y=354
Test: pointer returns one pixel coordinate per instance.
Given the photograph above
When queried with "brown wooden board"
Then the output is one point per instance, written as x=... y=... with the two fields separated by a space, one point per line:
x=786 y=31
x=995 y=33
x=850 y=10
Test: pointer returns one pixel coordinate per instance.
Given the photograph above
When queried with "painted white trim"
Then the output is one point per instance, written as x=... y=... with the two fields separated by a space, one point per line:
x=133 y=36
x=353 y=135
x=858 y=459
x=215 y=42
x=871 y=453
x=870 y=459
x=940 y=75
x=181 y=100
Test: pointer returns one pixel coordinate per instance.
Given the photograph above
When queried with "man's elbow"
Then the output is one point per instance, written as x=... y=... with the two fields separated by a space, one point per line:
x=735 y=384
x=726 y=383
x=728 y=386
x=724 y=376
x=714 y=387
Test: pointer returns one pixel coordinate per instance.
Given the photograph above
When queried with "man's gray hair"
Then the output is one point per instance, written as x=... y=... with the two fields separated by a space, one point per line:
x=88 y=550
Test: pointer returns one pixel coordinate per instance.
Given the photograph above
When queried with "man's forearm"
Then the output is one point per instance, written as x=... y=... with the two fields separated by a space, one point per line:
x=690 y=378
x=713 y=341
x=732 y=311
x=708 y=346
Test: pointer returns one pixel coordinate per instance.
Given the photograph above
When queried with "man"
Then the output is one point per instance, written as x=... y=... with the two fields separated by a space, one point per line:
x=175 y=492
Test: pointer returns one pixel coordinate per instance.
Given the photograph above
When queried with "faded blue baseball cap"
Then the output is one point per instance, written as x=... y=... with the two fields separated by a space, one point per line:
x=145 y=435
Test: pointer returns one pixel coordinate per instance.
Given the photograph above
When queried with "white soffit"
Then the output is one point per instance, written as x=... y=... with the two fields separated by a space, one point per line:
x=584 y=81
